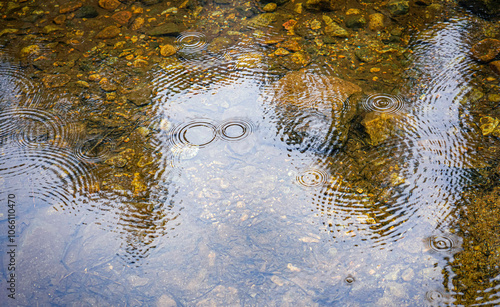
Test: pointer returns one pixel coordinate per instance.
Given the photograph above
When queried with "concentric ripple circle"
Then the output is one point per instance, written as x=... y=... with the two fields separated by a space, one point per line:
x=434 y=296
x=235 y=129
x=189 y=43
x=31 y=128
x=94 y=149
x=312 y=177
x=195 y=133
x=439 y=243
x=383 y=103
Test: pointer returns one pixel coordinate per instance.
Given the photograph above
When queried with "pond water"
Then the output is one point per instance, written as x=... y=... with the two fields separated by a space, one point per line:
x=225 y=153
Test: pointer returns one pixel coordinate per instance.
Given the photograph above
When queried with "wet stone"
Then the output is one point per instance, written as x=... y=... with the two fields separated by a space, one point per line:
x=167 y=50
x=333 y=29
x=219 y=44
x=53 y=81
x=320 y=5
x=108 y=32
x=141 y=96
x=355 y=21
x=59 y=20
x=366 y=55
x=380 y=126
x=376 y=22
x=109 y=5
x=107 y=85
x=398 y=7
x=486 y=50
x=270 y=7
x=122 y=17
x=137 y=24
x=495 y=66
x=166 y=301
x=29 y=51
x=168 y=29
x=87 y=11
x=70 y=7
x=262 y=20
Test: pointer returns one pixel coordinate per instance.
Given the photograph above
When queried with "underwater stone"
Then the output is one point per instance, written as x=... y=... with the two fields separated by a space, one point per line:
x=398 y=7
x=109 y=5
x=70 y=7
x=486 y=50
x=87 y=11
x=262 y=20
x=168 y=29
x=108 y=32
x=53 y=81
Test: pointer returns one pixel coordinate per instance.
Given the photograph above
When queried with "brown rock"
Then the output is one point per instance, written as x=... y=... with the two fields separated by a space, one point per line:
x=137 y=24
x=381 y=126
x=70 y=7
x=486 y=50
x=167 y=50
x=122 y=17
x=376 y=21
x=108 y=32
x=495 y=66
x=53 y=81
x=107 y=85
x=109 y=5
x=59 y=20
x=290 y=45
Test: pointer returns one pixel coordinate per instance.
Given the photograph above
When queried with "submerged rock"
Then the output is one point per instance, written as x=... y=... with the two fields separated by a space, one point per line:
x=398 y=7
x=315 y=110
x=108 y=32
x=381 y=126
x=53 y=81
x=486 y=50
x=167 y=29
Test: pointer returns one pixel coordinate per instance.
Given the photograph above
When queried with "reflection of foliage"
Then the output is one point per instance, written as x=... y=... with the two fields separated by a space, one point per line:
x=477 y=266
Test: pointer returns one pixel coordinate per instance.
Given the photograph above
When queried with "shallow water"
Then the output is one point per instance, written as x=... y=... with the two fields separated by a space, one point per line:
x=265 y=162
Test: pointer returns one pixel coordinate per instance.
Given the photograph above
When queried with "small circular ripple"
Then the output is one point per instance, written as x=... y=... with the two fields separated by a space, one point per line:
x=235 y=129
x=198 y=133
x=434 y=296
x=190 y=43
x=312 y=177
x=94 y=149
x=383 y=103
x=32 y=128
x=441 y=243
x=349 y=280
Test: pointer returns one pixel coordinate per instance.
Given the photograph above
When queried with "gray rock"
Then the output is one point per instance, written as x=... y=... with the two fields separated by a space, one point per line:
x=87 y=11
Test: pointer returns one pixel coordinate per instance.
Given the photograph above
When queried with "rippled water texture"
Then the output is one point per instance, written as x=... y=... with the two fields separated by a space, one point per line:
x=214 y=153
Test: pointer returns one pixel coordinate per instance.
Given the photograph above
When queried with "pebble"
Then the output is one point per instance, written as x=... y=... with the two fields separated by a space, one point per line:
x=376 y=22
x=486 y=50
x=109 y=5
x=398 y=7
x=70 y=7
x=30 y=50
x=495 y=66
x=108 y=32
x=166 y=301
x=167 y=50
x=137 y=24
x=107 y=85
x=53 y=81
x=270 y=7
x=408 y=274
x=122 y=17
x=59 y=20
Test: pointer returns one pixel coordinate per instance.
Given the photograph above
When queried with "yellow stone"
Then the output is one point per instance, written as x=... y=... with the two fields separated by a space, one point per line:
x=167 y=50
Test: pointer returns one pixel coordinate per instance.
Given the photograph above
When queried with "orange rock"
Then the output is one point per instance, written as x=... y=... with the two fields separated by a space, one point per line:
x=70 y=7
x=109 y=5
x=137 y=24
x=108 y=32
x=60 y=19
x=122 y=17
